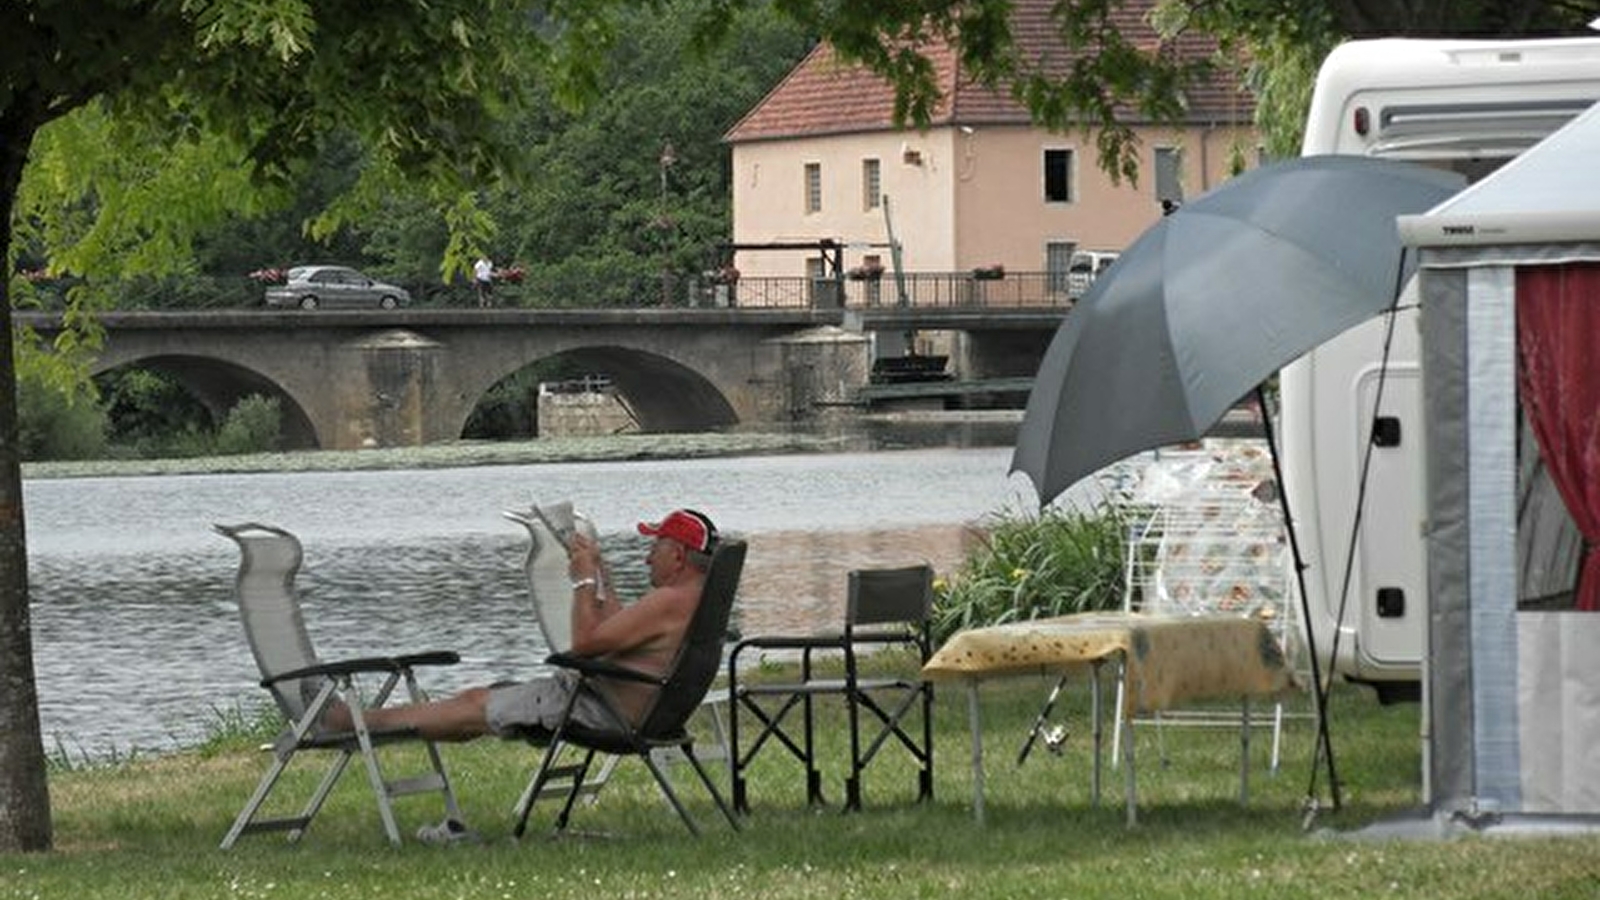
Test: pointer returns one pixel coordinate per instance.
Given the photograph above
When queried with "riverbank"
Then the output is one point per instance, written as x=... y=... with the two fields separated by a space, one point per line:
x=608 y=448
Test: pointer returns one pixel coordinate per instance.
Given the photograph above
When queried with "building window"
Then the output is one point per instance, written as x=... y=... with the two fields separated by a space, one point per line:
x=813 y=187
x=1058 y=176
x=1169 y=176
x=871 y=184
x=1057 y=262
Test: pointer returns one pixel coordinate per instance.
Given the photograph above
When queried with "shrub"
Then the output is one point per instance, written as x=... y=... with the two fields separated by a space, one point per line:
x=57 y=424
x=1031 y=566
x=252 y=426
x=148 y=409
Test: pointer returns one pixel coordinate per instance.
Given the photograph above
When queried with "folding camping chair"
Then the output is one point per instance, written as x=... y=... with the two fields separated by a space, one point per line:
x=884 y=607
x=664 y=725
x=303 y=686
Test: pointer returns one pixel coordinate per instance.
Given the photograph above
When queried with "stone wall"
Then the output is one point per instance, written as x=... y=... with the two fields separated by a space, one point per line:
x=584 y=414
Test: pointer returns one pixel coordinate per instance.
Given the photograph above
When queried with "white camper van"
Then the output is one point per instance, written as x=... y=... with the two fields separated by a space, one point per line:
x=1464 y=105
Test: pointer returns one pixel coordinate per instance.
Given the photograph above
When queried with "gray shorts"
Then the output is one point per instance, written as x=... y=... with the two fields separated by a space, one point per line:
x=514 y=710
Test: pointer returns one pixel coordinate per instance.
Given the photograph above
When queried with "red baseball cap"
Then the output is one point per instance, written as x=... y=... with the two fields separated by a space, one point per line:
x=686 y=526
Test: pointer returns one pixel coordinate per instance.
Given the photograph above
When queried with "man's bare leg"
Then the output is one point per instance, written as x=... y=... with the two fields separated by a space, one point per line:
x=458 y=718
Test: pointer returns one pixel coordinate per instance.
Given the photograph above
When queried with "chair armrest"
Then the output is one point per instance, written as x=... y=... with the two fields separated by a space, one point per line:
x=806 y=642
x=429 y=658
x=885 y=637
x=793 y=641
x=588 y=665
x=367 y=664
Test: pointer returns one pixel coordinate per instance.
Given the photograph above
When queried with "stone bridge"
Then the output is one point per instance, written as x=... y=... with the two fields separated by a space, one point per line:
x=349 y=379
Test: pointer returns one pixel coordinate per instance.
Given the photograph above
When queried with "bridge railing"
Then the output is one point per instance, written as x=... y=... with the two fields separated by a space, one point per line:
x=1009 y=290
x=977 y=289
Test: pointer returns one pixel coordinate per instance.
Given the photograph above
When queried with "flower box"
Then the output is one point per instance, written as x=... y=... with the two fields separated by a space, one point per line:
x=269 y=276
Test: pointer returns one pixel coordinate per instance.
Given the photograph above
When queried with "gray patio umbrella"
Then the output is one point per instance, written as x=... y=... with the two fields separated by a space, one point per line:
x=1207 y=304
x=1212 y=300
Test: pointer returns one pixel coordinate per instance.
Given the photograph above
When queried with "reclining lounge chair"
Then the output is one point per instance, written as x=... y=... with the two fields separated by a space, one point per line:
x=304 y=686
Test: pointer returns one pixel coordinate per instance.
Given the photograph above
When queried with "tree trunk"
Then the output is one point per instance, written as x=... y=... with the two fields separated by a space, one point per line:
x=24 y=788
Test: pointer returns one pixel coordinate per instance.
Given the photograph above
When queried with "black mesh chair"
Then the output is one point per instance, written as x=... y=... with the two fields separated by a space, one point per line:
x=885 y=607
x=664 y=726
x=303 y=686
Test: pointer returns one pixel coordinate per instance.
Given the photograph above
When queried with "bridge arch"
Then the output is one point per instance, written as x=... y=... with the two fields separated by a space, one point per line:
x=664 y=394
x=219 y=385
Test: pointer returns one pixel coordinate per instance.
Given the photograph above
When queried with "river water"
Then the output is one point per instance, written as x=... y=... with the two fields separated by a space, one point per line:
x=137 y=641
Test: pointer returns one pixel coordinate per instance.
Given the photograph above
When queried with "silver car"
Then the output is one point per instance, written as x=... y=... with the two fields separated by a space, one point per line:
x=311 y=287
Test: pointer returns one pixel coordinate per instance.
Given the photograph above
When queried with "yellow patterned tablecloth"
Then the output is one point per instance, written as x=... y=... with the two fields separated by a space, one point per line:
x=1170 y=659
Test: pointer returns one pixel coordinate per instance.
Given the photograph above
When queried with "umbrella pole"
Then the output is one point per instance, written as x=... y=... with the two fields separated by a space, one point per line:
x=1324 y=743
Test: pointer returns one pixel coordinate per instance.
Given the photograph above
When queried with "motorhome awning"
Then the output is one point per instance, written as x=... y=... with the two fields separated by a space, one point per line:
x=1532 y=199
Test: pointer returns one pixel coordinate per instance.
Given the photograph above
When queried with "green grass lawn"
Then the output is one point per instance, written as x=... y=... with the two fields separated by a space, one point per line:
x=150 y=828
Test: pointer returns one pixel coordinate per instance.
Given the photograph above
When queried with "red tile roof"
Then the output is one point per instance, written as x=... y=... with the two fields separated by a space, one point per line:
x=822 y=95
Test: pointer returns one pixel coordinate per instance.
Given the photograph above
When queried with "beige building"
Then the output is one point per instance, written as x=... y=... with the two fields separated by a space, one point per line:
x=819 y=158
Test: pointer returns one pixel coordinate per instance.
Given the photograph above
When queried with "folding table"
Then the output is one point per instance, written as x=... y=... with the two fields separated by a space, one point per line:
x=1161 y=661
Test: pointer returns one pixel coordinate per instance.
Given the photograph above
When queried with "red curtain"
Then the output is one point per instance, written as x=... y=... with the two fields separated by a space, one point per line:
x=1558 y=340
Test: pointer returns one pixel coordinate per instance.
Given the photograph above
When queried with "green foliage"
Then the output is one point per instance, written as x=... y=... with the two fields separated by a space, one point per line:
x=599 y=202
x=1281 y=72
x=148 y=409
x=253 y=425
x=57 y=413
x=56 y=422
x=117 y=199
x=151 y=415
x=1031 y=566
x=142 y=123
x=235 y=728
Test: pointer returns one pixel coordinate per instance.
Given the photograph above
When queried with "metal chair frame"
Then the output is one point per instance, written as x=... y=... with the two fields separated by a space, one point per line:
x=664 y=726
x=885 y=607
x=303 y=687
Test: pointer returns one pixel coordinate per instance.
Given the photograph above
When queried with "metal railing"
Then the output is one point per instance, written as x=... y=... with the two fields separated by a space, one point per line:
x=954 y=290
x=947 y=290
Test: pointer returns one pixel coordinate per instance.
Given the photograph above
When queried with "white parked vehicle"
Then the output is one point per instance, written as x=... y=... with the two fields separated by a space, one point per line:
x=1084 y=267
x=1468 y=106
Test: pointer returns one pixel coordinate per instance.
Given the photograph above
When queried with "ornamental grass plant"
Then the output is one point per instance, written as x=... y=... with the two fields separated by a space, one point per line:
x=1032 y=565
